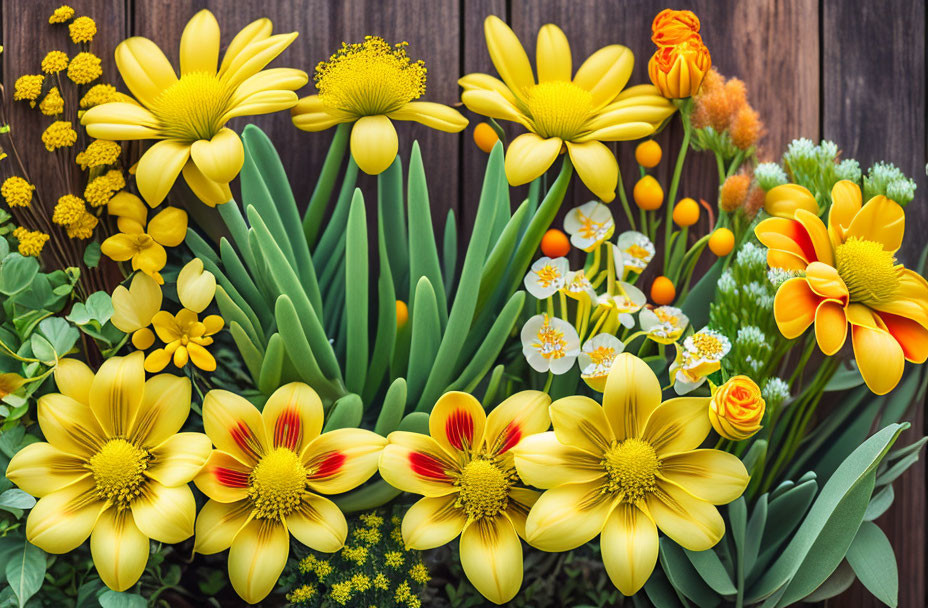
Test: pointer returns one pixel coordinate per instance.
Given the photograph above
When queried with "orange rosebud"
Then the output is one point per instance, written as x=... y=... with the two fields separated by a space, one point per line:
x=733 y=192
x=737 y=408
x=722 y=242
x=672 y=27
x=485 y=137
x=686 y=212
x=677 y=71
x=662 y=291
x=555 y=244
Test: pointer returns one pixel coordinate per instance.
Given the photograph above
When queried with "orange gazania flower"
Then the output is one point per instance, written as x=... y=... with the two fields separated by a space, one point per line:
x=681 y=61
x=850 y=276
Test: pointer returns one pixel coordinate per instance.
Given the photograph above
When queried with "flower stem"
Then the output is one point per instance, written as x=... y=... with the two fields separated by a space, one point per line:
x=675 y=182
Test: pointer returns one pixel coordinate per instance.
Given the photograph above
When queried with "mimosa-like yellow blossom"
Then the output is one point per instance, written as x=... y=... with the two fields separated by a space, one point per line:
x=82 y=29
x=370 y=84
x=101 y=189
x=59 y=134
x=99 y=153
x=69 y=209
x=28 y=88
x=100 y=94
x=31 y=242
x=82 y=227
x=84 y=68
x=52 y=104
x=189 y=114
x=301 y=594
x=62 y=14
x=16 y=191
x=54 y=62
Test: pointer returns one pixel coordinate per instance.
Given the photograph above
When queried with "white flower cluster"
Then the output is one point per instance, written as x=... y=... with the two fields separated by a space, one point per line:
x=775 y=392
x=769 y=176
x=890 y=181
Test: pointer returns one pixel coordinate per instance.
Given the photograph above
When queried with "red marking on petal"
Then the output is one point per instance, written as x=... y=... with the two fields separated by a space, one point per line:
x=511 y=435
x=329 y=465
x=288 y=430
x=459 y=428
x=230 y=477
x=427 y=466
x=800 y=235
x=245 y=439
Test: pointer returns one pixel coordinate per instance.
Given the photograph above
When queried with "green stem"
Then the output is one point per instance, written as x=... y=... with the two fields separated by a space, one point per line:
x=675 y=184
x=624 y=198
x=319 y=201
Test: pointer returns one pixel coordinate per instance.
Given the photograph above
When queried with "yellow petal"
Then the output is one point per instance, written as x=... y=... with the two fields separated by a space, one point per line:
x=195 y=286
x=794 y=307
x=169 y=226
x=293 y=416
x=119 y=120
x=116 y=393
x=199 y=44
x=127 y=205
x=119 y=247
x=209 y=192
x=70 y=425
x=434 y=115
x=73 y=378
x=545 y=462
x=223 y=478
x=881 y=220
x=826 y=282
x=522 y=415
x=201 y=357
x=310 y=114
x=256 y=31
x=165 y=514
x=879 y=356
x=580 y=423
x=552 y=54
x=343 y=459
x=632 y=393
x=508 y=56
x=830 y=326
x=221 y=158
x=568 y=516
x=150 y=260
x=630 y=546
x=494 y=105
x=134 y=308
x=485 y=82
x=846 y=201
x=144 y=68
x=178 y=460
x=415 y=463
x=262 y=102
x=818 y=235
x=628 y=112
x=521 y=501
x=157 y=360
x=254 y=57
x=374 y=144
x=272 y=80
x=784 y=200
x=457 y=422
x=596 y=167
x=432 y=522
x=158 y=169
x=605 y=73
x=234 y=425
x=678 y=425
x=491 y=555
x=691 y=523
x=318 y=524
x=711 y=475
x=529 y=156
x=257 y=557
x=218 y=523
x=620 y=132
x=41 y=468
x=62 y=521
x=119 y=549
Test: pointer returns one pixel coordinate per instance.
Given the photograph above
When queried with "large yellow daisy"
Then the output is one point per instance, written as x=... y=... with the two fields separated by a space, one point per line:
x=850 y=276
x=466 y=474
x=188 y=114
x=625 y=469
x=562 y=108
x=115 y=467
x=264 y=480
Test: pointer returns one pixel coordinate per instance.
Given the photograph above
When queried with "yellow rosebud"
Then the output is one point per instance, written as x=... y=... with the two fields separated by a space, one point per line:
x=737 y=408
x=784 y=200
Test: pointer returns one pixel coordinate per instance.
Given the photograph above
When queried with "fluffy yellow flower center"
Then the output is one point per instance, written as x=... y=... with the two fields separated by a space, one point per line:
x=559 y=109
x=484 y=489
x=193 y=107
x=631 y=467
x=550 y=341
x=603 y=356
x=666 y=317
x=277 y=484
x=869 y=271
x=638 y=252
x=370 y=78
x=119 y=471
x=548 y=275
x=708 y=346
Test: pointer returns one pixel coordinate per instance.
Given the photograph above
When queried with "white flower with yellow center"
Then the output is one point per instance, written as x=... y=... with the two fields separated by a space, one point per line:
x=664 y=324
x=546 y=277
x=632 y=253
x=550 y=344
x=620 y=306
x=578 y=286
x=596 y=359
x=589 y=225
x=699 y=357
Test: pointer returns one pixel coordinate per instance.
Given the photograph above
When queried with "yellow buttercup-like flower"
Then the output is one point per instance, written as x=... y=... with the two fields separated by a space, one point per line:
x=188 y=114
x=264 y=481
x=578 y=110
x=370 y=84
x=185 y=339
x=625 y=469
x=115 y=467
x=464 y=471
x=134 y=308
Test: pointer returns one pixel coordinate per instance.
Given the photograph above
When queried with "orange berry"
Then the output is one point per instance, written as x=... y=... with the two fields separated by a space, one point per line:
x=662 y=291
x=648 y=194
x=555 y=244
x=402 y=314
x=648 y=154
x=485 y=137
x=686 y=212
x=722 y=242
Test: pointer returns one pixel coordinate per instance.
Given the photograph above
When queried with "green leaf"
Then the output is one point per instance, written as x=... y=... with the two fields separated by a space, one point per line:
x=14 y=498
x=322 y=193
x=836 y=584
x=391 y=412
x=426 y=337
x=683 y=575
x=25 y=572
x=481 y=362
x=16 y=273
x=874 y=562
x=356 y=302
x=660 y=592
x=272 y=365
x=385 y=339
x=43 y=350
x=499 y=256
x=423 y=252
x=712 y=571
x=880 y=503
x=115 y=599
x=92 y=254
x=846 y=378
x=299 y=350
x=369 y=496
x=784 y=512
x=415 y=422
x=754 y=533
x=696 y=304
x=449 y=253
x=250 y=353
x=345 y=414
x=391 y=207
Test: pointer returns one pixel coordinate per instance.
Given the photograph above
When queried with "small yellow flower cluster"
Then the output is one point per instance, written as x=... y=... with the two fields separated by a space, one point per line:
x=83 y=227
x=84 y=68
x=358 y=555
x=31 y=242
x=360 y=582
x=28 y=87
x=102 y=188
x=54 y=62
x=420 y=573
x=99 y=94
x=371 y=520
x=82 y=29
x=59 y=134
x=320 y=567
x=340 y=593
x=394 y=559
x=52 y=104
x=404 y=595
x=17 y=192
x=62 y=14
x=301 y=594
x=381 y=581
x=370 y=536
x=99 y=153
x=69 y=209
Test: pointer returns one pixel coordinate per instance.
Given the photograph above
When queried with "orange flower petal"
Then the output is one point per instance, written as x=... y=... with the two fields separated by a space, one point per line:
x=879 y=356
x=794 y=307
x=818 y=235
x=786 y=235
x=830 y=326
x=911 y=336
x=825 y=281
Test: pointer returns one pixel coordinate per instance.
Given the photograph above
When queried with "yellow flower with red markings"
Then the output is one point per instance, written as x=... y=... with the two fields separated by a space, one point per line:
x=264 y=481
x=624 y=469
x=465 y=472
x=115 y=467
x=850 y=277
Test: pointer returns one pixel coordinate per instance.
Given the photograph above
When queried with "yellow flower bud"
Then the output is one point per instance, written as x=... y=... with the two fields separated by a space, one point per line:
x=737 y=408
x=784 y=200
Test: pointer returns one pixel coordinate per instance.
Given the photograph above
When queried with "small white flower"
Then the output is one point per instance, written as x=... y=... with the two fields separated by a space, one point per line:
x=589 y=225
x=596 y=359
x=546 y=277
x=775 y=392
x=699 y=357
x=550 y=344
x=578 y=286
x=706 y=345
x=632 y=253
x=664 y=324
x=628 y=301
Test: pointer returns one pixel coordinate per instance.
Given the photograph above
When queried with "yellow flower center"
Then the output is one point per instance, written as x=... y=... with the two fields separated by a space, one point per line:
x=869 y=271
x=631 y=466
x=193 y=107
x=548 y=275
x=370 y=78
x=592 y=229
x=666 y=317
x=118 y=470
x=484 y=489
x=638 y=252
x=549 y=341
x=602 y=356
x=277 y=484
x=559 y=109
x=708 y=345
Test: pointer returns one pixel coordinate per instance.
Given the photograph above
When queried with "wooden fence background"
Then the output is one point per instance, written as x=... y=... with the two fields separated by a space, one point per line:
x=851 y=71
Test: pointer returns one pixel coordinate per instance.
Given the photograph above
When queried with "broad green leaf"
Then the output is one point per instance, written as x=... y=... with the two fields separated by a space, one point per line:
x=369 y=496
x=481 y=362
x=25 y=572
x=836 y=584
x=115 y=599
x=874 y=562
x=60 y=334
x=880 y=503
x=499 y=256
x=660 y=592
x=696 y=305
x=449 y=253
x=322 y=193
x=415 y=422
x=426 y=337
x=385 y=339
x=712 y=571
x=14 y=498
x=43 y=350
x=683 y=575
x=16 y=273
x=272 y=365
x=754 y=533
x=846 y=378
x=391 y=412
x=356 y=299
x=345 y=414
x=392 y=210
x=92 y=254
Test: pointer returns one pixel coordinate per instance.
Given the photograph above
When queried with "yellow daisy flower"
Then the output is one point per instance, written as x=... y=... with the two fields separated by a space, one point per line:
x=464 y=471
x=625 y=469
x=264 y=481
x=369 y=84
x=115 y=467
x=143 y=245
x=188 y=114
x=577 y=110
